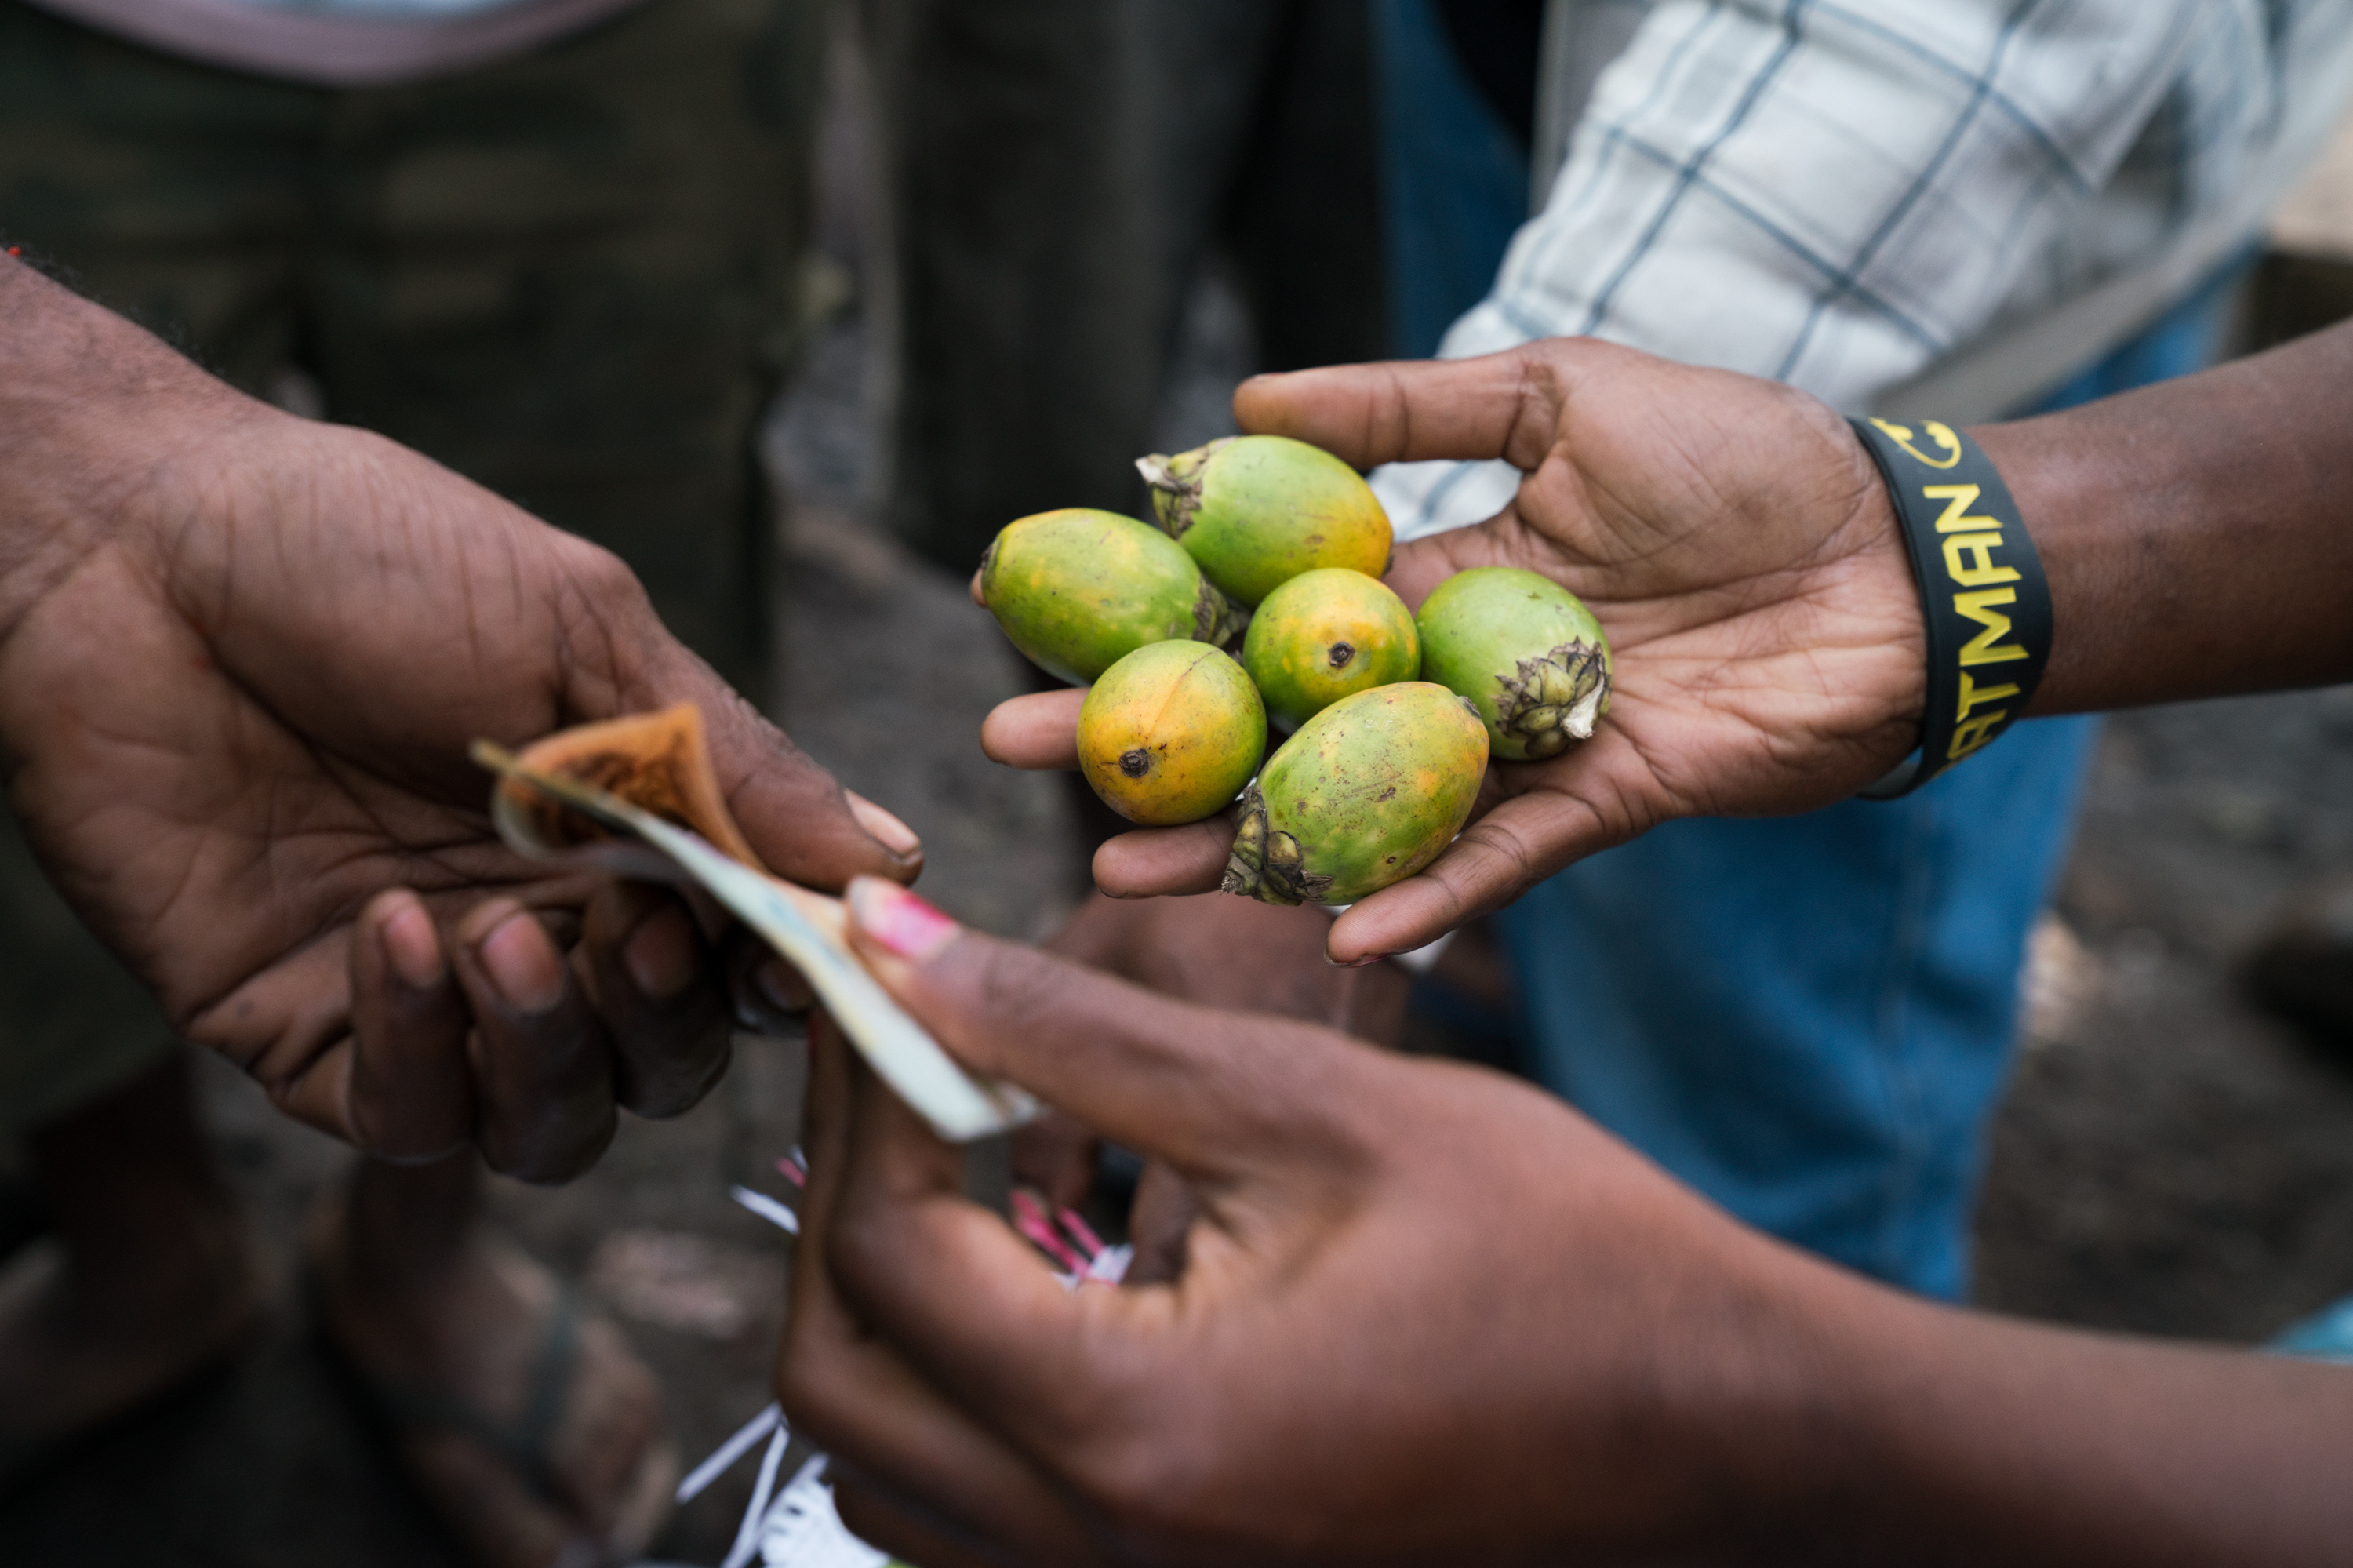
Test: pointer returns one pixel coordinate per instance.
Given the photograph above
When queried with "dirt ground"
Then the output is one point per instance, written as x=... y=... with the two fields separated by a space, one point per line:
x=2166 y=1160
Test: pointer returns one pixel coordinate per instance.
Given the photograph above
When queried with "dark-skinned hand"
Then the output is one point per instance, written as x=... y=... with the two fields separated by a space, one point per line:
x=241 y=656
x=1731 y=534
x=1428 y=1314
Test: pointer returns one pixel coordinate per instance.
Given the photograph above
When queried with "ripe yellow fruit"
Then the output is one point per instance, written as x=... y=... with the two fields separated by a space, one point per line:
x=1171 y=733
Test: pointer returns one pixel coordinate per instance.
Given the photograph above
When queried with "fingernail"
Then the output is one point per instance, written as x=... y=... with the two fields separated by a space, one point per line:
x=885 y=828
x=412 y=948
x=661 y=955
x=898 y=919
x=522 y=963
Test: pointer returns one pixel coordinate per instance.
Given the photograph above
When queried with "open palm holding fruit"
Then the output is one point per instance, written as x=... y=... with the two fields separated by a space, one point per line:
x=1325 y=635
x=1394 y=715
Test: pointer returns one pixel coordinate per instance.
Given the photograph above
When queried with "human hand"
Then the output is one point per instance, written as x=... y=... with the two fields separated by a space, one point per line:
x=1731 y=534
x=1236 y=955
x=243 y=656
x=1424 y=1313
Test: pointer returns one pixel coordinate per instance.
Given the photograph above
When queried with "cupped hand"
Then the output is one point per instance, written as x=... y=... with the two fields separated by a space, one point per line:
x=1424 y=1313
x=243 y=657
x=1733 y=537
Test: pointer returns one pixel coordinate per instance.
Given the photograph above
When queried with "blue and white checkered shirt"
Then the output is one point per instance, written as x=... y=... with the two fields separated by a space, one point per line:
x=1949 y=205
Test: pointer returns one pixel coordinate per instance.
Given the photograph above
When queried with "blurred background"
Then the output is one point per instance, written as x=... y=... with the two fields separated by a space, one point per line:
x=2170 y=1156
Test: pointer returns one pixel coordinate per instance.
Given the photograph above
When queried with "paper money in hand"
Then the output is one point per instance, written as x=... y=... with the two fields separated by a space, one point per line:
x=639 y=796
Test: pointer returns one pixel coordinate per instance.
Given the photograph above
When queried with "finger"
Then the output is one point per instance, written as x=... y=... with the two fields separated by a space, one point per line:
x=1499 y=405
x=979 y=597
x=543 y=1067
x=1057 y=1155
x=1498 y=857
x=1158 y=1223
x=883 y=827
x=662 y=994
x=1038 y=732
x=1205 y=1090
x=412 y=1097
x=889 y=1522
x=308 y=1060
x=957 y=1293
x=1150 y=862
x=802 y=823
x=851 y=1391
x=769 y=996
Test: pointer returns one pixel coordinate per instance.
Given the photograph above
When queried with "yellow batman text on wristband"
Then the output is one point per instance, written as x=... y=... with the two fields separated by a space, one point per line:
x=1983 y=598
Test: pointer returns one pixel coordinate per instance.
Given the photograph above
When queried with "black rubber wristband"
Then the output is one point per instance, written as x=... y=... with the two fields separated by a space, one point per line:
x=1982 y=593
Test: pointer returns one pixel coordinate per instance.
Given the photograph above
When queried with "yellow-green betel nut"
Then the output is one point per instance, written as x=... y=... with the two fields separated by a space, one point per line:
x=1324 y=635
x=1366 y=794
x=1257 y=511
x=1523 y=648
x=1077 y=589
x=1170 y=733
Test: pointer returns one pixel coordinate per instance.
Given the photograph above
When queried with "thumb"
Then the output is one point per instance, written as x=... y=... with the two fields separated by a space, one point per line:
x=797 y=816
x=1210 y=1092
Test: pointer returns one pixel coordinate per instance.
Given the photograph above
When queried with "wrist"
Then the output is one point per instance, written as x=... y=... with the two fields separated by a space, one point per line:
x=1985 y=603
x=1791 y=1416
x=100 y=423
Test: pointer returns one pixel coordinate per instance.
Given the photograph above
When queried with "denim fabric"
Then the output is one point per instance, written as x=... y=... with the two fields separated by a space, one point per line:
x=2325 y=1336
x=1456 y=181
x=1808 y=1019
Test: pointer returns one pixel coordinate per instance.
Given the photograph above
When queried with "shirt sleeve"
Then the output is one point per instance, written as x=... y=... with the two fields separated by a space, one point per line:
x=1831 y=194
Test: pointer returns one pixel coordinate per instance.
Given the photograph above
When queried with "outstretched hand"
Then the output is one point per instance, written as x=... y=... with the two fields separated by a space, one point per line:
x=1733 y=537
x=1422 y=1314
x=241 y=656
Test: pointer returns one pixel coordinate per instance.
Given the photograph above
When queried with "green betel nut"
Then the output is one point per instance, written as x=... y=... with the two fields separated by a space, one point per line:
x=1368 y=792
x=1523 y=648
x=1325 y=635
x=1257 y=511
x=1077 y=589
x=1169 y=733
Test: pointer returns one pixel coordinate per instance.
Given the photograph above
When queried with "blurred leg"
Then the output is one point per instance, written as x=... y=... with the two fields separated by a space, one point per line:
x=530 y=1425
x=1058 y=169
x=146 y=1278
x=577 y=277
x=173 y=193
x=1810 y=1018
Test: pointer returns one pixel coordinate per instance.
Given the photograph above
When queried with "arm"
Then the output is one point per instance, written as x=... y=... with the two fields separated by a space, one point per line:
x=240 y=658
x=2199 y=535
x=1428 y=1314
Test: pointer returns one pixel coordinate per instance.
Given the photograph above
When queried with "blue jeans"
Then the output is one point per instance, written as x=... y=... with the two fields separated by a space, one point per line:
x=1808 y=1019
